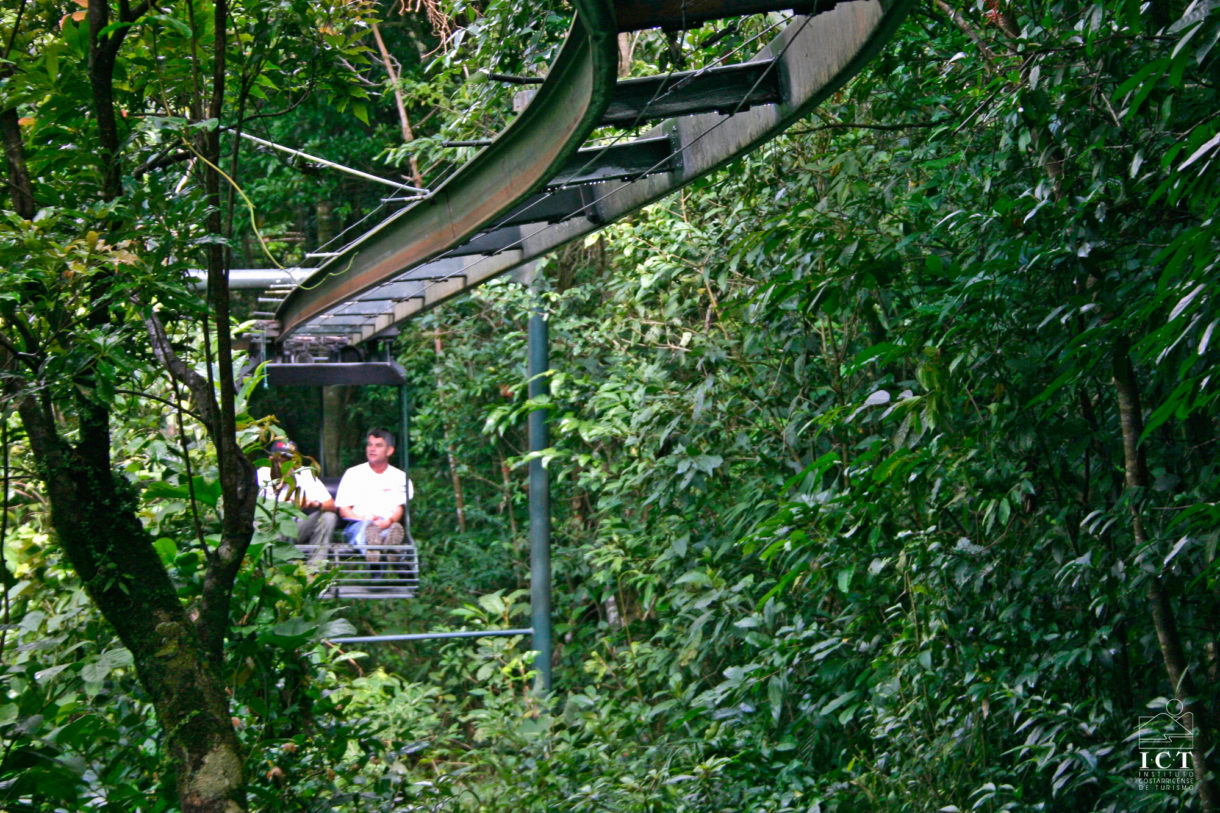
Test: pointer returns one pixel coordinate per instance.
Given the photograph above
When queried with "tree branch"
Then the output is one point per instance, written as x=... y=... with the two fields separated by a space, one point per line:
x=12 y=37
x=159 y=400
x=989 y=57
x=407 y=134
x=196 y=384
x=19 y=182
x=854 y=125
x=30 y=360
x=165 y=159
x=238 y=491
x=5 y=573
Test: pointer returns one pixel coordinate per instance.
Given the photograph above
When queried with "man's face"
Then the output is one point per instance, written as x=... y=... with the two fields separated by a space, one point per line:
x=377 y=451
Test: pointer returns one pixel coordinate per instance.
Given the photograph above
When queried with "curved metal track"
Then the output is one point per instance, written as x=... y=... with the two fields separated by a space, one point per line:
x=534 y=189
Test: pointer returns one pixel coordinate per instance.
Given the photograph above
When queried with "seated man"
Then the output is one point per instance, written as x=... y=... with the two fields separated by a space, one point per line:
x=371 y=497
x=302 y=488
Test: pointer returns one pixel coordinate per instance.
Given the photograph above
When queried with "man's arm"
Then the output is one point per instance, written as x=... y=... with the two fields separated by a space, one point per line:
x=385 y=522
x=343 y=499
x=317 y=495
x=350 y=512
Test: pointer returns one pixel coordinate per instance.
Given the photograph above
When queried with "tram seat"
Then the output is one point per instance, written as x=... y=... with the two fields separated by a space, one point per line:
x=395 y=576
x=332 y=484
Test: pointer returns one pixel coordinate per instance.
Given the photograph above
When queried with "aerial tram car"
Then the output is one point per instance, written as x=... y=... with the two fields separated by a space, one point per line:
x=396 y=573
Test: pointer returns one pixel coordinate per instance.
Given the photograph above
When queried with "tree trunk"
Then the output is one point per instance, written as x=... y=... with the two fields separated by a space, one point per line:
x=177 y=658
x=92 y=512
x=1159 y=605
x=326 y=227
x=334 y=429
x=238 y=492
x=459 y=500
x=506 y=498
x=407 y=134
x=19 y=185
x=626 y=52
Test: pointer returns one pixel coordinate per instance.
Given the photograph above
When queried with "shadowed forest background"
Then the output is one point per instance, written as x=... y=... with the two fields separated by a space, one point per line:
x=884 y=462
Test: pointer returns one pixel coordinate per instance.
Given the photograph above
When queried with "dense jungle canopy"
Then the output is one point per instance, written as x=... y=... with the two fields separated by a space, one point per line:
x=884 y=462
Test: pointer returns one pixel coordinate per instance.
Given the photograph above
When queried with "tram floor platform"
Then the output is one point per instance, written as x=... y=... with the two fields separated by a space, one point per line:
x=394 y=575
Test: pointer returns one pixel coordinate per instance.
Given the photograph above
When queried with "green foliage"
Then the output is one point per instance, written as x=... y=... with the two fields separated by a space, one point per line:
x=78 y=729
x=840 y=513
x=75 y=728
x=494 y=37
x=837 y=456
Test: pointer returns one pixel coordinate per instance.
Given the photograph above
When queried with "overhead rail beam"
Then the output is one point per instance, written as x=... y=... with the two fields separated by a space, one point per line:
x=518 y=162
x=538 y=186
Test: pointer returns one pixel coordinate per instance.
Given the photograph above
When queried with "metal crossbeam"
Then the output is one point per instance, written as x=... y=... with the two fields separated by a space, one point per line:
x=675 y=15
x=428 y=636
x=634 y=159
x=721 y=90
x=553 y=206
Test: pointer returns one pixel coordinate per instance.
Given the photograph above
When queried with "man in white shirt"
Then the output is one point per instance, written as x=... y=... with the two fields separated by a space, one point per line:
x=301 y=487
x=371 y=498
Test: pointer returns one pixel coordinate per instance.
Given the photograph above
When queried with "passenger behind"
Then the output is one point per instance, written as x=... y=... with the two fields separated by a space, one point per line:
x=371 y=497
x=301 y=487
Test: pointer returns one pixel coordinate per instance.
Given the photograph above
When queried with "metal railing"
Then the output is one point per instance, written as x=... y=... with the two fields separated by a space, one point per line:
x=394 y=575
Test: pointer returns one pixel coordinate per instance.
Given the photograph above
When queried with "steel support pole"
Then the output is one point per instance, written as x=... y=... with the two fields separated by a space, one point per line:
x=540 y=497
x=404 y=453
x=324 y=464
x=404 y=428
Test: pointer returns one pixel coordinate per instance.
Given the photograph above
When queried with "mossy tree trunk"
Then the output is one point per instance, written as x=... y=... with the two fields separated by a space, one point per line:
x=177 y=652
x=93 y=514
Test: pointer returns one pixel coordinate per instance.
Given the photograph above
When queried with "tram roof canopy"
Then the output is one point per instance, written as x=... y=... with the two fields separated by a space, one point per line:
x=336 y=374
